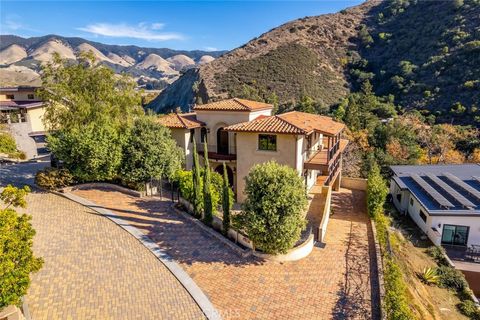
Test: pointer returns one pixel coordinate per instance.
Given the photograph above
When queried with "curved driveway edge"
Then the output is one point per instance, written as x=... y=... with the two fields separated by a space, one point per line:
x=192 y=288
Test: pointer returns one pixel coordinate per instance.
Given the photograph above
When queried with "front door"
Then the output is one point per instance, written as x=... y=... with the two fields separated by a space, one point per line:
x=455 y=235
x=222 y=141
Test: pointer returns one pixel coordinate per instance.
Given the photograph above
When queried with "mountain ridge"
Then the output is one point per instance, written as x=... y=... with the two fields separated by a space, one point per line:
x=38 y=50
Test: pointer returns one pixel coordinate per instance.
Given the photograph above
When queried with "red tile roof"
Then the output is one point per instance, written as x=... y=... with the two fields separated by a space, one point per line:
x=290 y=123
x=234 y=104
x=180 y=120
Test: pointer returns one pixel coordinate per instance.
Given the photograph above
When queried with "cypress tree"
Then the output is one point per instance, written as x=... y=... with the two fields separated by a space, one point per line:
x=226 y=201
x=196 y=182
x=207 y=196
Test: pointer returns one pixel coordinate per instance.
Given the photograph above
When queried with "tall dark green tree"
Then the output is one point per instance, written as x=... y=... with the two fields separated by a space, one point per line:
x=207 y=195
x=196 y=178
x=226 y=204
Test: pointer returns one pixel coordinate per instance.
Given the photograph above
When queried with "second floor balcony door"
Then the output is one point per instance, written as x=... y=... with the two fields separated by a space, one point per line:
x=222 y=141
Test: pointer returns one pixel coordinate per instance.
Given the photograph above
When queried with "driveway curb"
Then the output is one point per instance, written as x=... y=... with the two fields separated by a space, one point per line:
x=187 y=282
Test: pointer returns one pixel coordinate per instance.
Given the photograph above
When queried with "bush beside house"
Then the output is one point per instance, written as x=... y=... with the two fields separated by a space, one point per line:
x=272 y=215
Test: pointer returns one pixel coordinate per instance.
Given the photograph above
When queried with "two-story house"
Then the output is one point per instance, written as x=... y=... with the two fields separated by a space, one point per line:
x=21 y=112
x=243 y=133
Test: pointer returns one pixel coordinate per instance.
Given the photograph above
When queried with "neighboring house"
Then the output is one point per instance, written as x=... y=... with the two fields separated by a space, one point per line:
x=22 y=111
x=443 y=200
x=243 y=133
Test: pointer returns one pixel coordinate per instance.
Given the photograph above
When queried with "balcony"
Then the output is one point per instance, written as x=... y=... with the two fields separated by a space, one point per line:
x=224 y=153
x=324 y=160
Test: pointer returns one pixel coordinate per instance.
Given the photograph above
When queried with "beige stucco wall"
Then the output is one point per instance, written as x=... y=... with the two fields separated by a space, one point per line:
x=248 y=155
x=354 y=183
x=215 y=120
x=182 y=137
x=21 y=96
x=35 y=117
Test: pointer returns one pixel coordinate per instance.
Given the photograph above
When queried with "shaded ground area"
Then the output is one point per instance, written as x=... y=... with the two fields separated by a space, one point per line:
x=95 y=270
x=333 y=282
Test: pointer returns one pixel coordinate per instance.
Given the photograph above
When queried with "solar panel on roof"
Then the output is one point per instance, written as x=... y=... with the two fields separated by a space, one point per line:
x=452 y=192
x=476 y=178
x=459 y=182
x=437 y=197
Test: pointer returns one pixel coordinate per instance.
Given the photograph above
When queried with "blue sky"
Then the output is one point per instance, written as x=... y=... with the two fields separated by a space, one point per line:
x=205 y=25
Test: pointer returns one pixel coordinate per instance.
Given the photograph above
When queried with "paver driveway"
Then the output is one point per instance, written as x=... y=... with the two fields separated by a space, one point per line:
x=95 y=270
x=332 y=283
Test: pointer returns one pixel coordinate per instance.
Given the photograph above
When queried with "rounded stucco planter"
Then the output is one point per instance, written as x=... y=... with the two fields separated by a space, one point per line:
x=294 y=254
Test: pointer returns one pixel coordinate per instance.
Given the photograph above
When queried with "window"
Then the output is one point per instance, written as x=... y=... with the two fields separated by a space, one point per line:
x=10 y=96
x=30 y=96
x=455 y=235
x=399 y=197
x=423 y=216
x=267 y=142
x=192 y=135
x=411 y=201
x=203 y=135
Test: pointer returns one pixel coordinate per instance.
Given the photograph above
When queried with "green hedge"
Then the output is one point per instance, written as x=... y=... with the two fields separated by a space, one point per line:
x=396 y=300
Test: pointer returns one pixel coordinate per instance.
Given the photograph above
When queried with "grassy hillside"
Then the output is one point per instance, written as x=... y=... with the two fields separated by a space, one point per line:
x=425 y=53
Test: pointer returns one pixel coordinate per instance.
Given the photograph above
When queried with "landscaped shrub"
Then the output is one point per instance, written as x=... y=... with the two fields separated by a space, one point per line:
x=438 y=254
x=396 y=303
x=150 y=152
x=469 y=309
x=53 y=178
x=7 y=143
x=377 y=191
x=208 y=205
x=92 y=153
x=452 y=278
x=185 y=184
x=272 y=215
x=429 y=276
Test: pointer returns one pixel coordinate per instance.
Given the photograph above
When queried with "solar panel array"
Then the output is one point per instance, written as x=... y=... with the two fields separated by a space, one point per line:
x=437 y=197
x=452 y=192
x=474 y=192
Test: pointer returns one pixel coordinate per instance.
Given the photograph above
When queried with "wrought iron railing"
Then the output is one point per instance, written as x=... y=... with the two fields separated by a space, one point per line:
x=226 y=150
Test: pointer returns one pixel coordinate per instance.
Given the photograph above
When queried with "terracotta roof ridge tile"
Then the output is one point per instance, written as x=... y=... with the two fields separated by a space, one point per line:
x=237 y=100
x=285 y=120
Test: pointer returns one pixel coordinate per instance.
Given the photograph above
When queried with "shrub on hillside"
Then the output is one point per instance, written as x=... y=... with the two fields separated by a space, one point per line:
x=272 y=215
x=53 y=178
x=451 y=278
x=469 y=309
x=438 y=254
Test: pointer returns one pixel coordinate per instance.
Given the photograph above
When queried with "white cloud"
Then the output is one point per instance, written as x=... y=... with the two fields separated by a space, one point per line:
x=157 y=26
x=140 y=31
x=210 y=49
x=14 y=23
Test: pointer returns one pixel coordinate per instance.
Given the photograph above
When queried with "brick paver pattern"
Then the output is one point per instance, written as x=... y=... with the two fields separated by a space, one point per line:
x=333 y=282
x=96 y=270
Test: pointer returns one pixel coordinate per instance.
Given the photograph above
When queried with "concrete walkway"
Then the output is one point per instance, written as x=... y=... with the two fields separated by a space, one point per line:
x=332 y=283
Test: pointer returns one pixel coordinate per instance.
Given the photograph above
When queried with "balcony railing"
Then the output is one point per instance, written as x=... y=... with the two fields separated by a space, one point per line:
x=218 y=152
